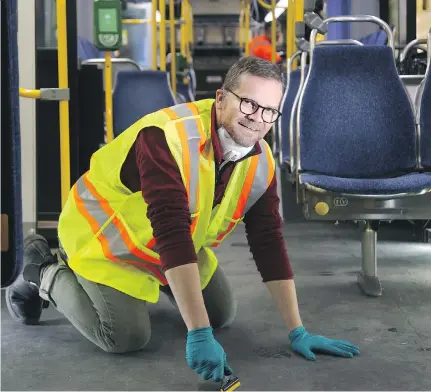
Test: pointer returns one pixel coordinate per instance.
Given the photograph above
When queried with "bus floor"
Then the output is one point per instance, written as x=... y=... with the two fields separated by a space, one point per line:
x=393 y=331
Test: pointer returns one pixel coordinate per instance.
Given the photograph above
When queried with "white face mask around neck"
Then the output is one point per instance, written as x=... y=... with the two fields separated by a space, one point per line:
x=230 y=149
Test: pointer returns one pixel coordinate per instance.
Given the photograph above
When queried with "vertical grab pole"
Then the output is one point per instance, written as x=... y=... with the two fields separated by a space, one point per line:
x=63 y=105
x=286 y=36
x=172 y=30
x=299 y=17
x=191 y=32
x=154 y=34
x=162 y=10
x=247 y=27
x=273 y=31
x=241 y=25
x=291 y=30
x=183 y=29
x=108 y=97
x=185 y=4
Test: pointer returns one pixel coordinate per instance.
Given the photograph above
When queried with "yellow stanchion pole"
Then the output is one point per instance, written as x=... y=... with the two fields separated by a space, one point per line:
x=241 y=24
x=172 y=30
x=299 y=17
x=154 y=34
x=291 y=31
x=287 y=38
x=191 y=32
x=273 y=32
x=162 y=10
x=108 y=97
x=247 y=28
x=63 y=105
x=183 y=30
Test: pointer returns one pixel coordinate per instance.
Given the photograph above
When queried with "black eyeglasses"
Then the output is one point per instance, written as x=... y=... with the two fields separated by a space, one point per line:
x=248 y=106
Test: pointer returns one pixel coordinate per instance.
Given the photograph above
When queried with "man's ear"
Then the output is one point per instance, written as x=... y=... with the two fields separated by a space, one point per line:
x=219 y=98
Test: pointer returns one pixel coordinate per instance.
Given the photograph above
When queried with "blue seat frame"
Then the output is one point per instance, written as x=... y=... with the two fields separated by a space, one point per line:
x=424 y=112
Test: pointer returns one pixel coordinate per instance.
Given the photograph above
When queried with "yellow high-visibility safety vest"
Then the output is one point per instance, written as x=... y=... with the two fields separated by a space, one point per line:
x=104 y=228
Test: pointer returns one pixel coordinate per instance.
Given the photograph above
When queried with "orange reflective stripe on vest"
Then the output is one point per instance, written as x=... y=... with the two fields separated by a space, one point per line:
x=116 y=243
x=260 y=171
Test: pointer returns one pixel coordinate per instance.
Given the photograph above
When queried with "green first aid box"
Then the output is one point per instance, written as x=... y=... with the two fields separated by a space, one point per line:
x=107 y=24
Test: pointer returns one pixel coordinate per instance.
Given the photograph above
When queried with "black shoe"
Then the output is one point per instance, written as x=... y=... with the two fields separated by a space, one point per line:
x=22 y=297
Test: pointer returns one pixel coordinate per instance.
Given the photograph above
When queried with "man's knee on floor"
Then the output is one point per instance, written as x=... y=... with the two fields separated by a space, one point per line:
x=224 y=316
x=125 y=342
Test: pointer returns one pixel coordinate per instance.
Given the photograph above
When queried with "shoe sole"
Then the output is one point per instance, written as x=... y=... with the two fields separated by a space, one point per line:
x=33 y=238
x=28 y=321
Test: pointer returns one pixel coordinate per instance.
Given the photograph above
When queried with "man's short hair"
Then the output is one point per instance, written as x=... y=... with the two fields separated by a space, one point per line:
x=268 y=26
x=251 y=65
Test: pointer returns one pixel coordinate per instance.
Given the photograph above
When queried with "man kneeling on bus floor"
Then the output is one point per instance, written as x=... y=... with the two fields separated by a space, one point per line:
x=145 y=216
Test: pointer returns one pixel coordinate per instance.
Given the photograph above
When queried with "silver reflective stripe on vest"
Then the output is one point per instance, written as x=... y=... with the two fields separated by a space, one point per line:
x=260 y=179
x=182 y=110
x=193 y=140
x=116 y=244
x=91 y=204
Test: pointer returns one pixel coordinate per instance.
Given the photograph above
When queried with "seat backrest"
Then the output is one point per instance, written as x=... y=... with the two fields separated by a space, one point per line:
x=137 y=94
x=356 y=119
x=286 y=110
x=425 y=121
x=87 y=50
x=377 y=38
x=119 y=66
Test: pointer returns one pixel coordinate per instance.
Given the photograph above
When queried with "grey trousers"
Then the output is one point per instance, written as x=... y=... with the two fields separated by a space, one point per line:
x=117 y=322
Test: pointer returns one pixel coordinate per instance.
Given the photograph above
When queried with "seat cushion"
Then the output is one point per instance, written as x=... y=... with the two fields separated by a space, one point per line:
x=414 y=182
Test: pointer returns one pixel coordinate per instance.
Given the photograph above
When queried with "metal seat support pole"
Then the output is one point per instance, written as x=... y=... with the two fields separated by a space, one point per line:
x=368 y=279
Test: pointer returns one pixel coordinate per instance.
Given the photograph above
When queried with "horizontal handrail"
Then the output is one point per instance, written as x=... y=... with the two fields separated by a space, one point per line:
x=46 y=94
x=145 y=21
x=26 y=93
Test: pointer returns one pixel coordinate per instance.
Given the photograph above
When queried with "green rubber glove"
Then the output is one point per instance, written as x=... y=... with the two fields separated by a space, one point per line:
x=307 y=345
x=205 y=355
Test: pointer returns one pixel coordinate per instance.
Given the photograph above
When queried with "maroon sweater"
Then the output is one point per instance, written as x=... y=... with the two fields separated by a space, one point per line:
x=151 y=169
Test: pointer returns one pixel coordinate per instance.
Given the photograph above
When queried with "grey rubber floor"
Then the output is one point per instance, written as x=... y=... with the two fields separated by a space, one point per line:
x=393 y=331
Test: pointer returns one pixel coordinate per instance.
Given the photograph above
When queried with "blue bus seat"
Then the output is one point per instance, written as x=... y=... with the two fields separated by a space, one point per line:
x=137 y=94
x=358 y=146
x=87 y=50
x=377 y=38
x=357 y=123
